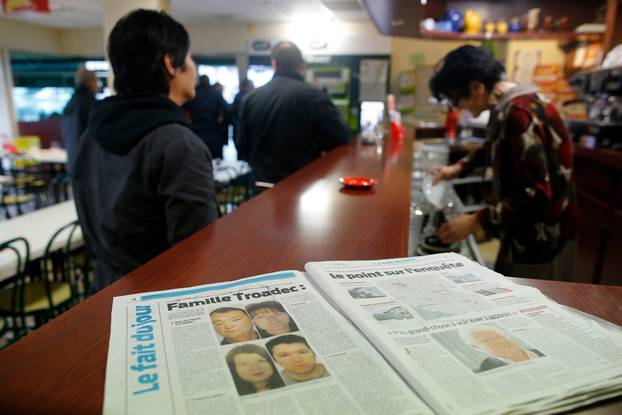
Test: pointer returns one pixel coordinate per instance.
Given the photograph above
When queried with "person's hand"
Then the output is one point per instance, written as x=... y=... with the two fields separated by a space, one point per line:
x=439 y=172
x=458 y=228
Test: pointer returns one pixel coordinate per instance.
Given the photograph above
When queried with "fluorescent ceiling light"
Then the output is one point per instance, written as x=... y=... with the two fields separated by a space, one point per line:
x=96 y=65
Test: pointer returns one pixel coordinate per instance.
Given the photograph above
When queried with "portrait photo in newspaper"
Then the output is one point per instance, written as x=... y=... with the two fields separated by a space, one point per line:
x=233 y=325
x=397 y=312
x=299 y=362
x=487 y=291
x=252 y=369
x=365 y=292
x=485 y=347
x=270 y=318
x=463 y=279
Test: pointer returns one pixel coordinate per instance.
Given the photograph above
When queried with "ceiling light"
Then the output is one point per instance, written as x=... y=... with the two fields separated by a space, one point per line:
x=96 y=65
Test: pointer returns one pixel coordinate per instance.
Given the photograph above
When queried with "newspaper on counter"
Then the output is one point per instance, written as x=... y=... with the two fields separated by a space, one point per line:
x=268 y=344
x=470 y=341
x=417 y=335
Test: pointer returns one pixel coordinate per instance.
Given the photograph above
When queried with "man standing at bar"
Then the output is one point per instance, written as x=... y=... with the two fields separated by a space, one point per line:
x=287 y=123
x=208 y=112
x=76 y=113
x=143 y=180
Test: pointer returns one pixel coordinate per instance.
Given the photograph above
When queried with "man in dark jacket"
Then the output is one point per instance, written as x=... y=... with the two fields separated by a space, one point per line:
x=287 y=123
x=246 y=87
x=76 y=113
x=208 y=112
x=143 y=180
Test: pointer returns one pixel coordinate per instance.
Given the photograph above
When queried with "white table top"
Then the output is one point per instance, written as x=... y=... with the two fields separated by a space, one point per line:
x=225 y=171
x=5 y=179
x=49 y=155
x=37 y=227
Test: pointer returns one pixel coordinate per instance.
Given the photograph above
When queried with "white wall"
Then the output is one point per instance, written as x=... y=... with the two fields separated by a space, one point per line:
x=26 y=37
x=404 y=50
x=82 y=42
x=341 y=38
x=550 y=52
x=217 y=39
x=8 y=127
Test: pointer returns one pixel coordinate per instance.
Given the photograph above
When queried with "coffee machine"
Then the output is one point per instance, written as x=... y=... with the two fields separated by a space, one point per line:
x=601 y=90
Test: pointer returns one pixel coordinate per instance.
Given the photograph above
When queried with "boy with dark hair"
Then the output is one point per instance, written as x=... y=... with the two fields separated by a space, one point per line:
x=533 y=210
x=143 y=181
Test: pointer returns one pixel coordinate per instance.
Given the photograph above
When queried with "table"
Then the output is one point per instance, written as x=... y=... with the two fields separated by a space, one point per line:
x=37 y=227
x=307 y=217
x=5 y=179
x=49 y=155
x=224 y=171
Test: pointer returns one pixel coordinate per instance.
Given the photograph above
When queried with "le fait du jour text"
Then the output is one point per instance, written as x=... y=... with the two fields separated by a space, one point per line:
x=237 y=296
x=144 y=359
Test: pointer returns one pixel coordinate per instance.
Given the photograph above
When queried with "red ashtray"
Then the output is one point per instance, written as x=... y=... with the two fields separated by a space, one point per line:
x=358 y=182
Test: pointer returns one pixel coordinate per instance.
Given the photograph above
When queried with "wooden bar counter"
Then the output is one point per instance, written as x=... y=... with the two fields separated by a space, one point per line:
x=60 y=367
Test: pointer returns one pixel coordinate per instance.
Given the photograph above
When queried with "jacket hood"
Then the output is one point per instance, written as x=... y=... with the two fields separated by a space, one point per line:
x=118 y=124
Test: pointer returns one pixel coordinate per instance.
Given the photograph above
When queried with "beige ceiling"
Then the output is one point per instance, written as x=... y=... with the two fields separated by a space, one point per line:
x=88 y=13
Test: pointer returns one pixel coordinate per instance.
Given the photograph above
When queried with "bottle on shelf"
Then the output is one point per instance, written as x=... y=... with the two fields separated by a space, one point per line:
x=396 y=128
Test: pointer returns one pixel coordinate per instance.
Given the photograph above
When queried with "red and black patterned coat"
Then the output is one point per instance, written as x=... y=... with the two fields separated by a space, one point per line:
x=533 y=205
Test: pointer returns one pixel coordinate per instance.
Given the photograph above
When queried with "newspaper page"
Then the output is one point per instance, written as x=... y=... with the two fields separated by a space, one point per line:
x=268 y=344
x=469 y=340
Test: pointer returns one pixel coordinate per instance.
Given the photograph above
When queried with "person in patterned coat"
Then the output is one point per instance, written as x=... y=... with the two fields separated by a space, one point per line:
x=532 y=208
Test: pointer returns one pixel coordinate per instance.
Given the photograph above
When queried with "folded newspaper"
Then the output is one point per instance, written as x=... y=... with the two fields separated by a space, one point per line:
x=435 y=334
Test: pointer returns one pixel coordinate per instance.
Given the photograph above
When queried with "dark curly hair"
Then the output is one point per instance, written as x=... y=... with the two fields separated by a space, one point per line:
x=136 y=49
x=461 y=66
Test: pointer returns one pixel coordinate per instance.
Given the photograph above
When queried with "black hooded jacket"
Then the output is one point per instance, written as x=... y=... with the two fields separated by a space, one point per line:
x=287 y=124
x=75 y=117
x=143 y=181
